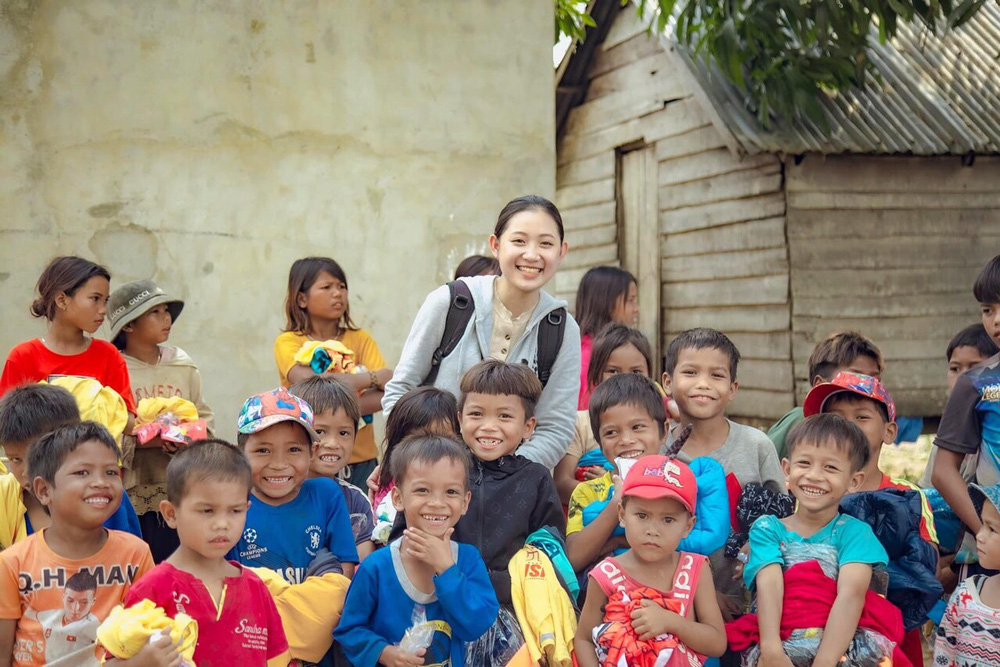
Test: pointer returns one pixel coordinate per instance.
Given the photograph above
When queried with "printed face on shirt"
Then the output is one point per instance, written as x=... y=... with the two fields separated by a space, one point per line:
x=819 y=475
x=627 y=307
x=529 y=250
x=625 y=359
x=988 y=537
x=701 y=383
x=87 y=488
x=17 y=462
x=152 y=327
x=87 y=307
x=494 y=425
x=963 y=358
x=279 y=458
x=326 y=298
x=336 y=443
x=77 y=604
x=866 y=414
x=433 y=496
x=629 y=432
x=991 y=320
x=654 y=527
x=209 y=519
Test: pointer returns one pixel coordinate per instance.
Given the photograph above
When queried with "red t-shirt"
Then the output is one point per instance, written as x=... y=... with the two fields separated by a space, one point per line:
x=247 y=631
x=31 y=362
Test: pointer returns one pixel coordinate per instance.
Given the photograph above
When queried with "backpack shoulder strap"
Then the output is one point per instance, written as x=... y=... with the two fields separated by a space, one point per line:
x=550 y=340
x=460 y=311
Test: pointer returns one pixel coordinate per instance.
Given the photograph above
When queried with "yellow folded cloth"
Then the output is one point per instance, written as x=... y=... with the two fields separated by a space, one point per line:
x=149 y=409
x=125 y=631
x=543 y=608
x=341 y=356
x=96 y=402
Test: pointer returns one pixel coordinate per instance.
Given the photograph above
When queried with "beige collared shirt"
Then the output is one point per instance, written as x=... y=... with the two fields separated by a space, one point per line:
x=507 y=329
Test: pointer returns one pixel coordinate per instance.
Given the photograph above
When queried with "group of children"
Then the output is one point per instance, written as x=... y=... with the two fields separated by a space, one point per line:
x=526 y=508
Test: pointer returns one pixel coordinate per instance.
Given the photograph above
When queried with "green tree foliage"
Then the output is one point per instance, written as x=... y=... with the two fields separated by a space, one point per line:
x=786 y=54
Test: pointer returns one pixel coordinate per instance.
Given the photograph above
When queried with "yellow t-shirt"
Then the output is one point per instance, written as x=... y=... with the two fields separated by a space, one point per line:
x=584 y=494
x=12 y=526
x=366 y=353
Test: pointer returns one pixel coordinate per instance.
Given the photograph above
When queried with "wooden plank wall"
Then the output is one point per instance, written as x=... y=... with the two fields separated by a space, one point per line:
x=722 y=225
x=890 y=246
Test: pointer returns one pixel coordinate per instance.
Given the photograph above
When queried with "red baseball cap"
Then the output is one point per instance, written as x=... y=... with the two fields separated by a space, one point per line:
x=655 y=477
x=854 y=383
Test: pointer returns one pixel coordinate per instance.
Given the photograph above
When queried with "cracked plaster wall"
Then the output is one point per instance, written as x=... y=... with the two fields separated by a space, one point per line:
x=207 y=144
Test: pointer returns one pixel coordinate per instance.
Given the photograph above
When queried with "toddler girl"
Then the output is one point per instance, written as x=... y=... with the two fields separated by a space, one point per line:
x=73 y=297
x=606 y=294
x=317 y=309
x=141 y=319
x=508 y=313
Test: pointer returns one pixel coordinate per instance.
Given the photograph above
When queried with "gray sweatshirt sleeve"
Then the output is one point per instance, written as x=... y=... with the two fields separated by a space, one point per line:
x=556 y=409
x=415 y=359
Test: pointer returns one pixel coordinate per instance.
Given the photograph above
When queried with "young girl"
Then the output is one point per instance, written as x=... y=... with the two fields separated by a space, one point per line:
x=652 y=601
x=317 y=308
x=423 y=411
x=508 y=311
x=141 y=318
x=606 y=294
x=618 y=349
x=968 y=632
x=73 y=297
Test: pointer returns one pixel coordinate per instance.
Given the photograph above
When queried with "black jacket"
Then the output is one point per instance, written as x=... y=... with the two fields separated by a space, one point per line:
x=512 y=497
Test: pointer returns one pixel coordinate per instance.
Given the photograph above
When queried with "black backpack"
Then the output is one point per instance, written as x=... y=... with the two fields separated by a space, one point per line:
x=460 y=312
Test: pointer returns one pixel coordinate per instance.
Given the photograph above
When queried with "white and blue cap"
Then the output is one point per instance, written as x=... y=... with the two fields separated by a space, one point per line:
x=980 y=494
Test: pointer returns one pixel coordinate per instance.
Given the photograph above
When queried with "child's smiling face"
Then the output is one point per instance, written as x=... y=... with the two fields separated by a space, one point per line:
x=628 y=431
x=493 y=425
x=819 y=475
x=701 y=382
x=87 y=487
x=279 y=460
x=336 y=432
x=433 y=496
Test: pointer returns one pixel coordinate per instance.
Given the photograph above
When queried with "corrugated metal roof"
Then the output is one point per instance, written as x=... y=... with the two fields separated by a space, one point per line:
x=935 y=95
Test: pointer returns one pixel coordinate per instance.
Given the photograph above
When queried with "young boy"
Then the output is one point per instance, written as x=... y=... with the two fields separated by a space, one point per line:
x=424 y=577
x=826 y=459
x=27 y=413
x=971 y=420
x=629 y=421
x=842 y=351
x=291 y=518
x=208 y=487
x=76 y=475
x=336 y=414
x=700 y=376
x=970 y=347
x=864 y=401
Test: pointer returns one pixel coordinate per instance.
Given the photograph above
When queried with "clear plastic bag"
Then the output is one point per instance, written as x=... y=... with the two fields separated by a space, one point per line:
x=499 y=644
x=420 y=635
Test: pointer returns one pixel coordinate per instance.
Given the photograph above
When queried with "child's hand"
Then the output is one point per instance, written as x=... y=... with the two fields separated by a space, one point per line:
x=372 y=481
x=435 y=551
x=593 y=472
x=161 y=653
x=392 y=656
x=616 y=498
x=651 y=620
x=773 y=656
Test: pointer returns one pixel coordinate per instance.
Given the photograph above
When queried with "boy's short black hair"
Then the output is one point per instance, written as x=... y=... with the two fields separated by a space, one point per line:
x=206 y=460
x=82 y=581
x=429 y=449
x=986 y=289
x=832 y=429
x=852 y=398
x=325 y=393
x=700 y=339
x=30 y=411
x=497 y=378
x=46 y=456
x=839 y=350
x=627 y=389
x=974 y=335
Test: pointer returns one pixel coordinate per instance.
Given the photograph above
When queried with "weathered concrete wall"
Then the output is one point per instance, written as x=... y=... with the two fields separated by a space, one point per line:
x=207 y=144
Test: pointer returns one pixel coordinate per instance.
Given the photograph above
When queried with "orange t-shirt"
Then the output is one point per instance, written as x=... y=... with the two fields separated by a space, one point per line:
x=366 y=353
x=59 y=603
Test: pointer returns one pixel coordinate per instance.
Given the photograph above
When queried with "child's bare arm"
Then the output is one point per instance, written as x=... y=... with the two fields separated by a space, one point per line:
x=852 y=584
x=947 y=479
x=770 y=584
x=590 y=617
x=702 y=631
x=584 y=546
x=7 y=629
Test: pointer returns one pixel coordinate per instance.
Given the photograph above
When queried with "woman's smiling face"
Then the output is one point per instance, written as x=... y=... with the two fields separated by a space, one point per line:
x=529 y=250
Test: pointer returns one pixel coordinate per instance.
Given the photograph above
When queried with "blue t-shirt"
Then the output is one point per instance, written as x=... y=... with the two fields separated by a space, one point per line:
x=285 y=538
x=851 y=539
x=381 y=602
x=124 y=519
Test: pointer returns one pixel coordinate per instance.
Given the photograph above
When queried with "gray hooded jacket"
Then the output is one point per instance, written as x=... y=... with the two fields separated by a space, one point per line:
x=556 y=410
